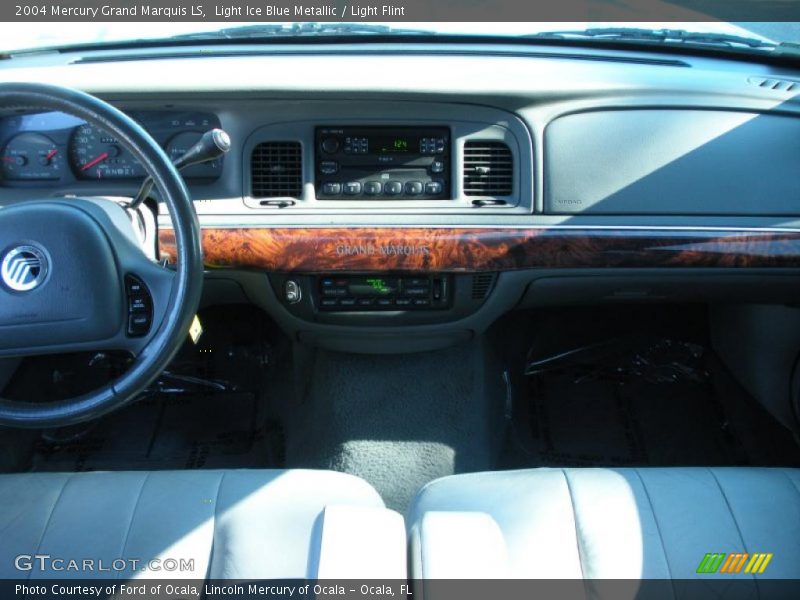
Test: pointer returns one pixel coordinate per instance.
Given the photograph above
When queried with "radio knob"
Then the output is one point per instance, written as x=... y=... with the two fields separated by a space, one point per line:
x=330 y=145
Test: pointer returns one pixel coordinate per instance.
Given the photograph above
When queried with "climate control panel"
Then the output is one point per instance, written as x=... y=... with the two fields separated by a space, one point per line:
x=380 y=292
x=382 y=163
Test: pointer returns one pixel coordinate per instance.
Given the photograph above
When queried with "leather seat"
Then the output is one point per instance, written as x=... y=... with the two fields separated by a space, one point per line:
x=242 y=524
x=605 y=523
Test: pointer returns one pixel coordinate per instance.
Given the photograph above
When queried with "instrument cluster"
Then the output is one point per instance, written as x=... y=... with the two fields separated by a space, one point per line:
x=54 y=148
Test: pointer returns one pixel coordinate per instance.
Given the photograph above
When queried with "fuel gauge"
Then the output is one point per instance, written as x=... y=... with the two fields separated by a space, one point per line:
x=31 y=156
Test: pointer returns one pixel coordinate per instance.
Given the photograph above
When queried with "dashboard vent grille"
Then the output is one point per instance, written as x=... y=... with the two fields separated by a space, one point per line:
x=488 y=169
x=778 y=85
x=481 y=284
x=277 y=170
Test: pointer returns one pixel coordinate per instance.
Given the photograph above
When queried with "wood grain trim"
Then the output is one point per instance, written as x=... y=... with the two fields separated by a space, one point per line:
x=472 y=250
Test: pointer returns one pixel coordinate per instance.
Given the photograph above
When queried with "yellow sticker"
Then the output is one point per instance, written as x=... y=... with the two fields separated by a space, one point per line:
x=196 y=329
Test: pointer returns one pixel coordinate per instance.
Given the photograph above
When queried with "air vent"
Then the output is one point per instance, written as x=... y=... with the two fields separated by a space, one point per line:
x=777 y=85
x=277 y=170
x=488 y=169
x=481 y=285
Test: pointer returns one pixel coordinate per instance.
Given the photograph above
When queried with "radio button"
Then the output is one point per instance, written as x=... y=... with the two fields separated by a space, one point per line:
x=414 y=188
x=373 y=188
x=437 y=166
x=366 y=301
x=422 y=302
x=385 y=302
x=328 y=167
x=330 y=145
x=403 y=302
x=347 y=302
x=332 y=189
x=433 y=188
x=393 y=188
x=352 y=188
x=329 y=302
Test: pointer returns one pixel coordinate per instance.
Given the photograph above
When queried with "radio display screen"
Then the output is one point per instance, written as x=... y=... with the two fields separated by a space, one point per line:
x=372 y=286
x=394 y=145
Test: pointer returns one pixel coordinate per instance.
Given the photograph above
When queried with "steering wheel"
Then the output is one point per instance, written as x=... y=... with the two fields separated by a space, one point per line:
x=74 y=277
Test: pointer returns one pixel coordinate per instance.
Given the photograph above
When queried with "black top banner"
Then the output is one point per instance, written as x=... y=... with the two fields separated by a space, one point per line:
x=399 y=10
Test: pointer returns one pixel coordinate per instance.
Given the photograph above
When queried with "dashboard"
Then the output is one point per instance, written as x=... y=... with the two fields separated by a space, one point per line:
x=452 y=185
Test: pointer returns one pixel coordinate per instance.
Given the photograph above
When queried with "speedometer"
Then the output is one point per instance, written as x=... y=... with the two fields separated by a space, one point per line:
x=96 y=154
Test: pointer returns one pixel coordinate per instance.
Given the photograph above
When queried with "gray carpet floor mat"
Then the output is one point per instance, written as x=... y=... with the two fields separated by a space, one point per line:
x=398 y=421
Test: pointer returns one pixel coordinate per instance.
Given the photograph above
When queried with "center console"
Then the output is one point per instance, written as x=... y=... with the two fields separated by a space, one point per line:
x=374 y=163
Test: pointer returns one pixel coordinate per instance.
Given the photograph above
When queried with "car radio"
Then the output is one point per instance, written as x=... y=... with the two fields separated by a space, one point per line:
x=380 y=292
x=382 y=163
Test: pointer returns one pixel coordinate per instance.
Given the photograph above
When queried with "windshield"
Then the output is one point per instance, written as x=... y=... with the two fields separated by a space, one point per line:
x=756 y=36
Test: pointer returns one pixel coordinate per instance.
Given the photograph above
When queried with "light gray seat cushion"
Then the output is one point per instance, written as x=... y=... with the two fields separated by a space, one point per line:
x=604 y=523
x=258 y=524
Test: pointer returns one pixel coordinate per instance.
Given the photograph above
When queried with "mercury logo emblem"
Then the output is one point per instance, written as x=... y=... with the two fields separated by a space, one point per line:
x=24 y=268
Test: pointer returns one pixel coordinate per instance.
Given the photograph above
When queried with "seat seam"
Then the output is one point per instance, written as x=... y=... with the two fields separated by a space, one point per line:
x=417 y=537
x=730 y=508
x=575 y=524
x=214 y=526
x=791 y=481
x=133 y=516
x=50 y=517
x=736 y=523
x=658 y=529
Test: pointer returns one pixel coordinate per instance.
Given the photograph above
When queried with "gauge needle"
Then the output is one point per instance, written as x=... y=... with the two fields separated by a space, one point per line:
x=94 y=161
x=51 y=154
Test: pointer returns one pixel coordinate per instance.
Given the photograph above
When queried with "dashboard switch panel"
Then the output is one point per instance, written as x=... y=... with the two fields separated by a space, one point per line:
x=383 y=163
